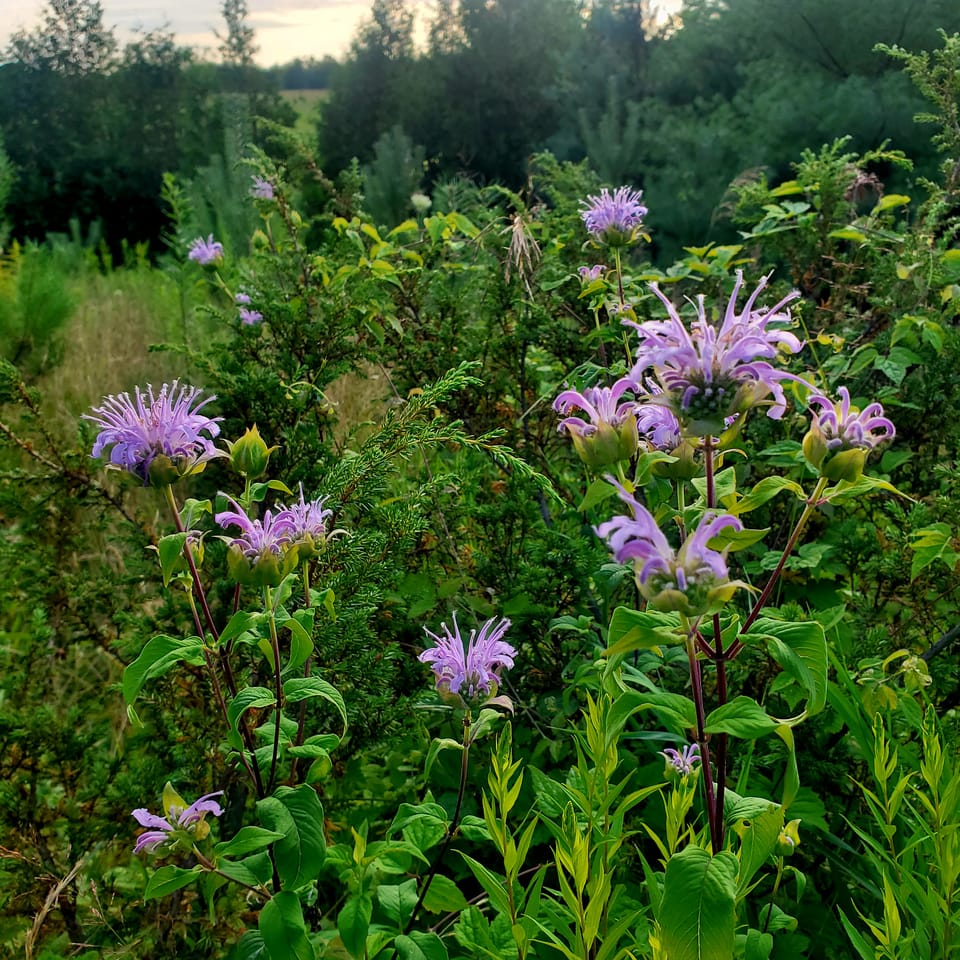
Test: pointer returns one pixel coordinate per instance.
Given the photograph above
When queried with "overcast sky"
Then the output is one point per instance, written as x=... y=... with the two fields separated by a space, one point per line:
x=285 y=29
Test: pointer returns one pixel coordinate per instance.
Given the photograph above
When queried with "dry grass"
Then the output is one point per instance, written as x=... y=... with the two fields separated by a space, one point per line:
x=107 y=340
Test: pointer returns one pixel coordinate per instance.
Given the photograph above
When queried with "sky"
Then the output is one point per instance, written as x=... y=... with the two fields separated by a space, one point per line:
x=285 y=29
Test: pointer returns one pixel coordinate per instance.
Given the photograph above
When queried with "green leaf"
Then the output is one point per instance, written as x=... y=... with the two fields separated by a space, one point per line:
x=758 y=839
x=302 y=688
x=724 y=485
x=697 y=911
x=676 y=712
x=157 y=657
x=247 y=840
x=494 y=884
x=247 y=699
x=801 y=649
x=295 y=812
x=929 y=544
x=398 y=900
x=756 y=945
x=766 y=490
x=436 y=746
x=848 y=233
x=249 y=947
x=238 y=624
x=169 y=878
x=640 y=630
x=170 y=552
x=597 y=492
x=741 y=717
x=859 y=944
x=889 y=201
x=283 y=930
x=240 y=871
x=420 y=946
x=444 y=896
x=353 y=922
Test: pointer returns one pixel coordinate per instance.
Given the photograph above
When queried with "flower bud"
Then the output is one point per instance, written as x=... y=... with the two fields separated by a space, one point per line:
x=814 y=446
x=608 y=445
x=789 y=839
x=249 y=455
x=845 y=465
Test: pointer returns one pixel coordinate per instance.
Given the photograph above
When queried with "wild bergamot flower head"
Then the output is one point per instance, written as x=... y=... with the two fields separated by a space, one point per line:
x=157 y=437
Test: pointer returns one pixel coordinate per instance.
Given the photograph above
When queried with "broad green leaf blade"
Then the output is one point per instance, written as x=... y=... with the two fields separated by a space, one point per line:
x=167 y=879
x=297 y=813
x=801 y=649
x=353 y=922
x=246 y=699
x=741 y=717
x=640 y=630
x=420 y=946
x=302 y=688
x=697 y=911
x=283 y=930
x=247 y=840
x=156 y=658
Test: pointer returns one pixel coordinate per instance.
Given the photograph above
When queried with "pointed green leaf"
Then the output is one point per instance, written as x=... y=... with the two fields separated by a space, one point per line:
x=353 y=923
x=741 y=717
x=697 y=910
x=157 y=657
x=169 y=878
x=283 y=930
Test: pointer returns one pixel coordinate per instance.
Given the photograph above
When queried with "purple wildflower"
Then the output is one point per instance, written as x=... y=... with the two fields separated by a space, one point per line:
x=656 y=423
x=206 y=251
x=470 y=669
x=178 y=817
x=691 y=579
x=614 y=220
x=307 y=523
x=250 y=318
x=257 y=537
x=589 y=274
x=841 y=436
x=262 y=189
x=611 y=434
x=844 y=427
x=156 y=437
x=242 y=299
x=682 y=760
x=709 y=374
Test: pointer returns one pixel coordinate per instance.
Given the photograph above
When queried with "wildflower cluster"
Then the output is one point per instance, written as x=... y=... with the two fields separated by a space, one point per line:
x=691 y=580
x=269 y=547
x=180 y=823
x=158 y=437
x=614 y=219
x=708 y=373
x=469 y=670
x=205 y=252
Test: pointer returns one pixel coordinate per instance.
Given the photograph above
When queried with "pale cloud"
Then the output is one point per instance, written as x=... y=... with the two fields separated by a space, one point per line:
x=285 y=29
